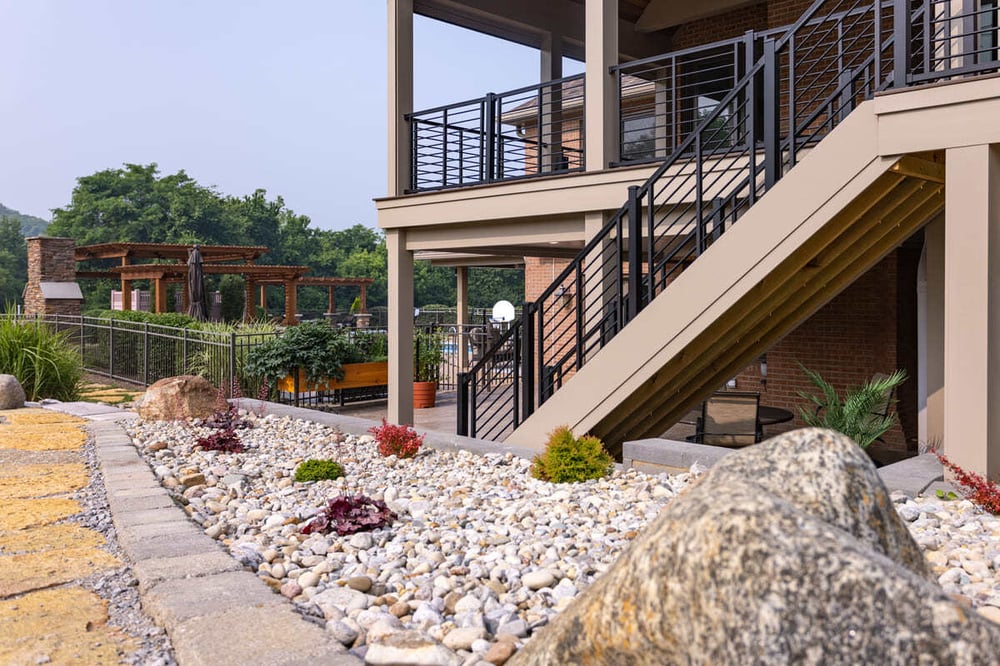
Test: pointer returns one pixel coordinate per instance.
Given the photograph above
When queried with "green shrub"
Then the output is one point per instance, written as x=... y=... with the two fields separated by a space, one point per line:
x=318 y=470
x=859 y=415
x=174 y=319
x=45 y=361
x=568 y=459
x=314 y=347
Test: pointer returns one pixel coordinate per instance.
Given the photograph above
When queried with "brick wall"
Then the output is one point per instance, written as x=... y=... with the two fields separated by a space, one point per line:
x=50 y=260
x=847 y=341
x=724 y=26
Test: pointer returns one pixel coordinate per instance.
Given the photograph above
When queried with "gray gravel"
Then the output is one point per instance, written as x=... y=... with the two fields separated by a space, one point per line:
x=118 y=586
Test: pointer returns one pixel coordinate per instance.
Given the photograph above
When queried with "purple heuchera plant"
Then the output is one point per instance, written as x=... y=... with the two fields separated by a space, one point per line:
x=348 y=514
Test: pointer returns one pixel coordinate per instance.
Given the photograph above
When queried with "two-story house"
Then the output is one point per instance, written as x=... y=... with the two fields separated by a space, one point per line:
x=729 y=186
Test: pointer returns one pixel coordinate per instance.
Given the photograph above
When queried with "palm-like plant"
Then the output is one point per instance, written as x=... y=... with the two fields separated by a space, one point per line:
x=862 y=414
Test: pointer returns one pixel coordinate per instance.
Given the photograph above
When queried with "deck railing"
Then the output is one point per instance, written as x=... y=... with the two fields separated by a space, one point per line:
x=805 y=81
x=532 y=131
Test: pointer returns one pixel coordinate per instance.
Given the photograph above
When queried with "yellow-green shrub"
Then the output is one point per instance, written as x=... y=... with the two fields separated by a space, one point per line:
x=568 y=459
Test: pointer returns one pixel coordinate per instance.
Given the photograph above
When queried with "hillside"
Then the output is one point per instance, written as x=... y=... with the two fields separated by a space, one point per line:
x=30 y=225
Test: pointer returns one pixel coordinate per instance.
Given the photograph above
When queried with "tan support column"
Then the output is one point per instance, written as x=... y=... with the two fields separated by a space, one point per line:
x=972 y=309
x=291 y=302
x=126 y=294
x=601 y=103
x=400 y=93
x=550 y=133
x=160 y=296
x=931 y=336
x=249 y=309
x=462 y=315
x=400 y=328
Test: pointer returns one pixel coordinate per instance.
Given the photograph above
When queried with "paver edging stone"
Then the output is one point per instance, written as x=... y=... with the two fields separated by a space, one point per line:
x=178 y=570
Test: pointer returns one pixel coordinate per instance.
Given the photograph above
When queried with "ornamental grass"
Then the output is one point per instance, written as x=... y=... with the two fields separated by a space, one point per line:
x=44 y=361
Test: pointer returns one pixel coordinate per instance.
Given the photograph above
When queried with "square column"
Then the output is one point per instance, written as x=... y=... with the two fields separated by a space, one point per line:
x=930 y=335
x=601 y=103
x=551 y=104
x=462 y=315
x=400 y=299
x=972 y=309
x=159 y=295
x=126 y=295
x=400 y=97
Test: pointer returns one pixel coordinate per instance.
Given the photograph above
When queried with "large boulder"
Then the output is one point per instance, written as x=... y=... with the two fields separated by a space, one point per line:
x=785 y=552
x=174 y=398
x=11 y=393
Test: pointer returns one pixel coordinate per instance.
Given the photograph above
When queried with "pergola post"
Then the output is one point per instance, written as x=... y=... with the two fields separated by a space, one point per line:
x=291 y=304
x=249 y=311
x=330 y=304
x=160 y=288
x=126 y=294
x=364 y=298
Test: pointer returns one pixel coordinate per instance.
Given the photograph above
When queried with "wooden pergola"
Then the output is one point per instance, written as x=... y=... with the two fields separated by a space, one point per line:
x=213 y=256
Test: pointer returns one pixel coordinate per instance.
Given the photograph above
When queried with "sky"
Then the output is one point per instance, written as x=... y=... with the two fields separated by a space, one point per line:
x=288 y=96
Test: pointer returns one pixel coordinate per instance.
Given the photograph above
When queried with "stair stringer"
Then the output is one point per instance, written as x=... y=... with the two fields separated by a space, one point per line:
x=834 y=176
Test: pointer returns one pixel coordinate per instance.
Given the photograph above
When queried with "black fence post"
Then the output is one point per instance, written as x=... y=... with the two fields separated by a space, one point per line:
x=527 y=360
x=145 y=353
x=232 y=365
x=489 y=125
x=772 y=122
x=462 y=427
x=634 y=302
x=111 y=347
x=901 y=42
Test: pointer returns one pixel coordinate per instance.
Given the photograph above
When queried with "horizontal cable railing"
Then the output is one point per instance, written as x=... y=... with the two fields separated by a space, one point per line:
x=805 y=80
x=664 y=98
x=532 y=131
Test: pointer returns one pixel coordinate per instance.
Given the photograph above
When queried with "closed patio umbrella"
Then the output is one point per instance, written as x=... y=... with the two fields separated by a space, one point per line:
x=195 y=285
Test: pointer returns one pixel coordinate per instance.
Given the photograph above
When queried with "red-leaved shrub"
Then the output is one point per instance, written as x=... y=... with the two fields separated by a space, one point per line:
x=980 y=491
x=226 y=441
x=397 y=440
x=349 y=514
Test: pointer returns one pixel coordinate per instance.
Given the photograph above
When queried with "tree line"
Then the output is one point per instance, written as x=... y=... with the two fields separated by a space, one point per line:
x=136 y=203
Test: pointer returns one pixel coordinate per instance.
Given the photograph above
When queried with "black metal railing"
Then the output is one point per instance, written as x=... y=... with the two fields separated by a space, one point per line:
x=531 y=131
x=661 y=100
x=805 y=81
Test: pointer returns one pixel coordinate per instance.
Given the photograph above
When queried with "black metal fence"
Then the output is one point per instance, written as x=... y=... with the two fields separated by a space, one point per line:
x=803 y=82
x=142 y=353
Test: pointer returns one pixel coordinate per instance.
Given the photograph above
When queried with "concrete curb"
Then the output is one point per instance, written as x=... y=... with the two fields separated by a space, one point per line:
x=353 y=425
x=912 y=476
x=214 y=611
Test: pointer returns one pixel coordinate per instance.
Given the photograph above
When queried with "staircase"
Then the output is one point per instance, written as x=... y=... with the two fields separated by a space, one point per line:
x=672 y=297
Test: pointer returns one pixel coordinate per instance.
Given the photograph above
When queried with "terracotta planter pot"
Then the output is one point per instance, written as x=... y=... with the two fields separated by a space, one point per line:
x=424 y=394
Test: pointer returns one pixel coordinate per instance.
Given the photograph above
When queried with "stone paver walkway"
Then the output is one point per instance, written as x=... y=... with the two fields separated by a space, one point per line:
x=43 y=619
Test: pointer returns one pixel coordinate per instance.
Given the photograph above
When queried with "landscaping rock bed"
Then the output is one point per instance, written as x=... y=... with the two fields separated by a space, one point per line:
x=481 y=557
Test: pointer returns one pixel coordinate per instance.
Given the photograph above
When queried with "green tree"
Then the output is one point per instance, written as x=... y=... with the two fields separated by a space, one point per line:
x=135 y=204
x=13 y=261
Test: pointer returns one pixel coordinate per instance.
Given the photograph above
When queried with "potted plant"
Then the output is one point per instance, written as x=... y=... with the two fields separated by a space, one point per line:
x=427 y=357
x=314 y=351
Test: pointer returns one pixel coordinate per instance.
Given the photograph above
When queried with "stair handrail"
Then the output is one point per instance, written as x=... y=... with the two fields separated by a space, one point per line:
x=774 y=145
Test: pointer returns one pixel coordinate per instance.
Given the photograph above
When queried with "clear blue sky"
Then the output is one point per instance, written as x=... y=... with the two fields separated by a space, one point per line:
x=241 y=94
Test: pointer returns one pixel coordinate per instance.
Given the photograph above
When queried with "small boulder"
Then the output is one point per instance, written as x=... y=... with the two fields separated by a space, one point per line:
x=177 y=398
x=790 y=551
x=11 y=393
